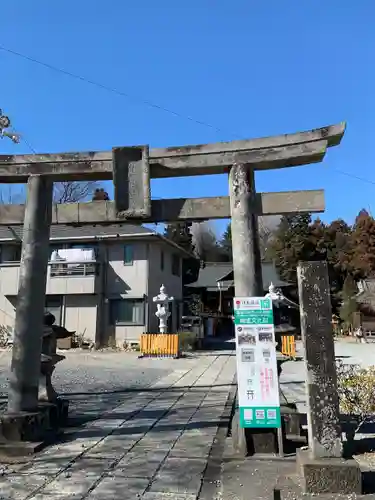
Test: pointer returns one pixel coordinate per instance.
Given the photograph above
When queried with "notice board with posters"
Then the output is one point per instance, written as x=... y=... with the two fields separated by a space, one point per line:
x=258 y=385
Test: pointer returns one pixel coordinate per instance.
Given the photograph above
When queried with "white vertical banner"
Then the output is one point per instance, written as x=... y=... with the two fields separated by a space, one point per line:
x=258 y=385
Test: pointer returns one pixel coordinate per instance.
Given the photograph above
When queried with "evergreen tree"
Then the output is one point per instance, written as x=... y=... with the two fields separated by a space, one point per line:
x=179 y=233
x=206 y=246
x=226 y=243
x=265 y=242
x=332 y=244
x=292 y=242
x=349 y=304
x=363 y=245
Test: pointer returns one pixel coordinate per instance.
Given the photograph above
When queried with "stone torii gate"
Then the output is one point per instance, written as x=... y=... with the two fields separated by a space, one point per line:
x=131 y=169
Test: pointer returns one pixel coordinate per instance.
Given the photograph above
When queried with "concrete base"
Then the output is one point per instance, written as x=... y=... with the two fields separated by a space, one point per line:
x=25 y=433
x=328 y=475
x=292 y=423
x=249 y=442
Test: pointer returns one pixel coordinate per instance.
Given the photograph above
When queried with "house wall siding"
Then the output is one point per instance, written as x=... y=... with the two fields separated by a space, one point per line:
x=81 y=310
x=80 y=315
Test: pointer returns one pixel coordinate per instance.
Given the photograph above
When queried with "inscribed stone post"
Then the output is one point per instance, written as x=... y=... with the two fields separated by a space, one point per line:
x=322 y=398
x=322 y=467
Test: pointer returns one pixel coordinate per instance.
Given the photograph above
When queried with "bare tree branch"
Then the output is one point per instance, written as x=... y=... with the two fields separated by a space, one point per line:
x=63 y=192
x=205 y=243
x=73 y=191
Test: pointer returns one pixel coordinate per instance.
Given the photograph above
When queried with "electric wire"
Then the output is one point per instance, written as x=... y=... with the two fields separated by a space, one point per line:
x=143 y=101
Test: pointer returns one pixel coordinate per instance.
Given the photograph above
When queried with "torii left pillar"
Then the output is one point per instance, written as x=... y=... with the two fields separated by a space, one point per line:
x=27 y=344
x=26 y=423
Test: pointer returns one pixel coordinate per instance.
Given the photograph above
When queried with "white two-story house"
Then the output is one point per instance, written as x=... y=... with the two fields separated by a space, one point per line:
x=101 y=279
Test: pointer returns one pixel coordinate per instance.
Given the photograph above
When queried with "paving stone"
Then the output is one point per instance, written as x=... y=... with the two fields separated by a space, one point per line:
x=57 y=496
x=140 y=463
x=178 y=475
x=19 y=487
x=91 y=466
x=134 y=427
x=79 y=478
x=112 y=447
x=46 y=465
x=73 y=448
x=124 y=488
x=192 y=444
x=168 y=496
x=106 y=424
x=158 y=441
x=77 y=484
x=59 y=453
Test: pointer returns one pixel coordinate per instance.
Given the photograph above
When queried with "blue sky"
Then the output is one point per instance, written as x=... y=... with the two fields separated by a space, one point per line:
x=249 y=68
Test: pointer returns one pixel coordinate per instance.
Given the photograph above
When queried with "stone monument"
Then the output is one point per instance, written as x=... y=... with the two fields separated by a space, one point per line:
x=163 y=300
x=49 y=360
x=322 y=467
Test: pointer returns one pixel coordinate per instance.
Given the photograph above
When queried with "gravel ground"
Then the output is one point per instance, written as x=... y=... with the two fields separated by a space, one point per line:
x=293 y=375
x=98 y=381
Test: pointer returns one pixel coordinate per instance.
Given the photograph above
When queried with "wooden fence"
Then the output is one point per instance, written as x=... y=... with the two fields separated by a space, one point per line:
x=159 y=345
x=288 y=345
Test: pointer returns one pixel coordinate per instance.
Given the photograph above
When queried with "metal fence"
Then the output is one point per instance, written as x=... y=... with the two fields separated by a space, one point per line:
x=74 y=269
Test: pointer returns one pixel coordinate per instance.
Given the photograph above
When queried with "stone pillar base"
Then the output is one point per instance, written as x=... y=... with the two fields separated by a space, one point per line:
x=328 y=475
x=25 y=433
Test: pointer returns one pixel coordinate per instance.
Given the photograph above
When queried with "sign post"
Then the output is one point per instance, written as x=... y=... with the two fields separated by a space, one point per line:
x=258 y=385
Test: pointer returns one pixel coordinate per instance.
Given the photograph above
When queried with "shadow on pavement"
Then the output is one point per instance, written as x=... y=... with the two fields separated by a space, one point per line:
x=145 y=389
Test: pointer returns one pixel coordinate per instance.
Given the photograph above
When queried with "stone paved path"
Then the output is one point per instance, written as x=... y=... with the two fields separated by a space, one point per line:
x=154 y=445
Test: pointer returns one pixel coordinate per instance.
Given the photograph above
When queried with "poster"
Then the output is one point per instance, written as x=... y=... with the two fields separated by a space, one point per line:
x=258 y=385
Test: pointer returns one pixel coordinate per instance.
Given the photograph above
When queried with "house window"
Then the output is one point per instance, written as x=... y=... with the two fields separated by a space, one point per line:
x=128 y=255
x=53 y=305
x=127 y=312
x=175 y=265
x=13 y=253
x=162 y=260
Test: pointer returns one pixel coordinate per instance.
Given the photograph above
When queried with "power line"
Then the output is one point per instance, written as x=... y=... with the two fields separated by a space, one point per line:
x=115 y=91
x=28 y=145
x=353 y=176
x=141 y=100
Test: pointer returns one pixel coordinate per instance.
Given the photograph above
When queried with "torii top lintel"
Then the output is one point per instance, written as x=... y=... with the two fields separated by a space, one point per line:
x=301 y=148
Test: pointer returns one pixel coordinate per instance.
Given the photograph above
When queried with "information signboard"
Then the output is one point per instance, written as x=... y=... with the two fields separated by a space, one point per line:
x=258 y=386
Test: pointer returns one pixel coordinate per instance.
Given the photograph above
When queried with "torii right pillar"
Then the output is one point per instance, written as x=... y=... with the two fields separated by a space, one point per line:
x=247 y=269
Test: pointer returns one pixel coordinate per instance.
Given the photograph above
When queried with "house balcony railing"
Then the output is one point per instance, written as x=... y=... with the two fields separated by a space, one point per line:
x=61 y=278
x=73 y=269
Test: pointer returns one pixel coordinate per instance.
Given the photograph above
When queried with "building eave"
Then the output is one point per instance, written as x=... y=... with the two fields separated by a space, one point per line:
x=112 y=237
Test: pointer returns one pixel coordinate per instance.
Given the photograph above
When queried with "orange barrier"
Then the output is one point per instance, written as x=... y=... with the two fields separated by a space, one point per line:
x=159 y=345
x=288 y=345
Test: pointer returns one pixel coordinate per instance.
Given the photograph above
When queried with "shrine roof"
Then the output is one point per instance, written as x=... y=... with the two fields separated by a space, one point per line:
x=221 y=273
